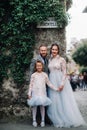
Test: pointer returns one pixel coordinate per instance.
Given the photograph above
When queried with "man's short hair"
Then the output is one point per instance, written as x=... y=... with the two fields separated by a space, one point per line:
x=42 y=45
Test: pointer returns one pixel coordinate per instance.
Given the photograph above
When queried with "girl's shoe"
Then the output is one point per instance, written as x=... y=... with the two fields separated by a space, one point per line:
x=34 y=123
x=42 y=124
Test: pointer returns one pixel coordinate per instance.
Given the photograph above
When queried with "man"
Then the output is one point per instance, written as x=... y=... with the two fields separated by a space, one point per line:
x=85 y=80
x=43 y=58
x=74 y=81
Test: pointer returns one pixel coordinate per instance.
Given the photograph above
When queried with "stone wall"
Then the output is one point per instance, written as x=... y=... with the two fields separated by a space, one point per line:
x=13 y=100
x=48 y=36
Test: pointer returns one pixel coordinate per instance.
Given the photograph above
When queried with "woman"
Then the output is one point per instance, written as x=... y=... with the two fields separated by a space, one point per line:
x=63 y=111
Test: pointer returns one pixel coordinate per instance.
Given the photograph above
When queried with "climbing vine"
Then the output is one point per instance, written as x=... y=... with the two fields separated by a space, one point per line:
x=18 y=22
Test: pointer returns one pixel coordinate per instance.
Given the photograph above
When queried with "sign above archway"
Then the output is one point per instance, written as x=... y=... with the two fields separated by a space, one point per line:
x=50 y=23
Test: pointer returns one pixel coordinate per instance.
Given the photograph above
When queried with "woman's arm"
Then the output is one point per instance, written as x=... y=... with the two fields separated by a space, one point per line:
x=63 y=69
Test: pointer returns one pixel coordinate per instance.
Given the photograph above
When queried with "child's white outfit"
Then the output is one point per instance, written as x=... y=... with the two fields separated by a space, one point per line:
x=37 y=89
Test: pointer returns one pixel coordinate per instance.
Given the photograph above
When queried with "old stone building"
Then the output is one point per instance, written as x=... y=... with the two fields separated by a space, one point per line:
x=13 y=104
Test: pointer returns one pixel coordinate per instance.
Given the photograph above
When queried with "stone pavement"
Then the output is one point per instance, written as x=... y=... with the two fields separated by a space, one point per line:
x=81 y=98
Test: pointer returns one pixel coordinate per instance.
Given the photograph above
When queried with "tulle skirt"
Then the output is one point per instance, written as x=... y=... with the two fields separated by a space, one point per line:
x=39 y=101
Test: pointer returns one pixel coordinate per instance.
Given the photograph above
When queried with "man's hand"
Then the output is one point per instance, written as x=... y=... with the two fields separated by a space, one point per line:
x=29 y=97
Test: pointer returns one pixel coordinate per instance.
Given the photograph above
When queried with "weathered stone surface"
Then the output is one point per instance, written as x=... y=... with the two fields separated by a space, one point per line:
x=13 y=100
x=49 y=36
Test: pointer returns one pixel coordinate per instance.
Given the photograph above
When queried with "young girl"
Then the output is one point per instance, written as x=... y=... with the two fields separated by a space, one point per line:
x=37 y=92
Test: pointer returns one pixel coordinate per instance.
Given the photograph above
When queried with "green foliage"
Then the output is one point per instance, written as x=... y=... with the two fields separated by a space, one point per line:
x=18 y=22
x=83 y=69
x=80 y=55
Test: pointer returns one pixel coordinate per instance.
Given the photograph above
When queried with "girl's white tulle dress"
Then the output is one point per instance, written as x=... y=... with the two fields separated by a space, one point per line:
x=37 y=90
x=63 y=111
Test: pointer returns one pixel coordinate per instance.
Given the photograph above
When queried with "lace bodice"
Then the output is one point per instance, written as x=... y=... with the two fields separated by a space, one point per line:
x=38 y=84
x=58 y=63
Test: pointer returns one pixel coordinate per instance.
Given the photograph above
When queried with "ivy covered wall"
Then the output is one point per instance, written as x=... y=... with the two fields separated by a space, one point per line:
x=18 y=38
x=18 y=25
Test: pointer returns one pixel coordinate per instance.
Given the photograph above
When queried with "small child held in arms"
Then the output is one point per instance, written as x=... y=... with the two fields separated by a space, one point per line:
x=37 y=92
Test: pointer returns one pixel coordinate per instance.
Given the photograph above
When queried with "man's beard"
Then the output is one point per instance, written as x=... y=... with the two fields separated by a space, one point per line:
x=43 y=56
